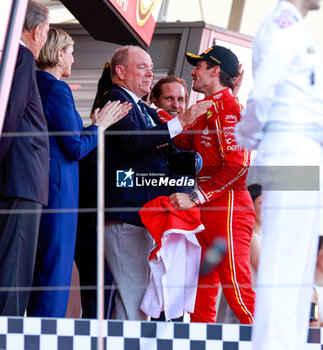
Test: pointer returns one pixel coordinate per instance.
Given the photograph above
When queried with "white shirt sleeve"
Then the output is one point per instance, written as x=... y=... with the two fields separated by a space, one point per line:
x=174 y=127
x=273 y=50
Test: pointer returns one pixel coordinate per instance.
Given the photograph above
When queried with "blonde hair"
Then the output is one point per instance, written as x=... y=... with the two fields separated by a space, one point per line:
x=56 y=39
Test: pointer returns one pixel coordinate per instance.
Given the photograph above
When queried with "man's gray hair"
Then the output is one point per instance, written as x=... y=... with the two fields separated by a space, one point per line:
x=36 y=14
x=121 y=57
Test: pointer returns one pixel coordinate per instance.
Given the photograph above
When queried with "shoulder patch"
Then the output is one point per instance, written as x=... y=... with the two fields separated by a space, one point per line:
x=236 y=100
x=285 y=19
x=209 y=114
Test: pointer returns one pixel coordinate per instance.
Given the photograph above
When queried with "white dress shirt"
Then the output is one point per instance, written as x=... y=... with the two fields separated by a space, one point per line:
x=174 y=125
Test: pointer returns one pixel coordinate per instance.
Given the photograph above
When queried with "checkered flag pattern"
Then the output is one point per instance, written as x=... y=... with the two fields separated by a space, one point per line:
x=68 y=334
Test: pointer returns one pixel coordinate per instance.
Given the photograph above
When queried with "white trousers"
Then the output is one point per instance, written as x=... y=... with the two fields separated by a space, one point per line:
x=290 y=227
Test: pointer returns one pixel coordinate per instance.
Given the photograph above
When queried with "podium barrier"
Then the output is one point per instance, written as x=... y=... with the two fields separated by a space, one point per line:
x=31 y=333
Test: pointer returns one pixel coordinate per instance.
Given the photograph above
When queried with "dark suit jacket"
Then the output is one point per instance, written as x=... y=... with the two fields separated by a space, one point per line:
x=136 y=151
x=24 y=160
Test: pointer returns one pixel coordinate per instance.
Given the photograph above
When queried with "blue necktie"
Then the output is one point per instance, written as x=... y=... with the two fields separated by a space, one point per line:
x=147 y=119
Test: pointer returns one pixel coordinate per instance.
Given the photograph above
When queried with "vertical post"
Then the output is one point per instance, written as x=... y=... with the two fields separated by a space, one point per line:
x=201 y=10
x=12 y=20
x=236 y=14
x=162 y=16
x=100 y=238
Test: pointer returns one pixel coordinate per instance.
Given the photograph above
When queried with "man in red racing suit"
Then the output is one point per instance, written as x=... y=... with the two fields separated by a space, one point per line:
x=221 y=191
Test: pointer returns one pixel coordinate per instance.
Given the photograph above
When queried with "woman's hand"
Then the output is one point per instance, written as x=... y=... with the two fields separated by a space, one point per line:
x=110 y=113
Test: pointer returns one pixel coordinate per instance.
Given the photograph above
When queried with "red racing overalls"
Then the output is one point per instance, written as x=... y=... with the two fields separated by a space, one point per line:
x=225 y=204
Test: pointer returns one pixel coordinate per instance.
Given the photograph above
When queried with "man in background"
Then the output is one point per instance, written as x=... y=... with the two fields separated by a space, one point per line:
x=24 y=166
x=171 y=95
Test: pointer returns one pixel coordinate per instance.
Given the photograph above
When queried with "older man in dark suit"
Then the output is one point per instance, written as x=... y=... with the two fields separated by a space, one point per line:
x=136 y=160
x=24 y=164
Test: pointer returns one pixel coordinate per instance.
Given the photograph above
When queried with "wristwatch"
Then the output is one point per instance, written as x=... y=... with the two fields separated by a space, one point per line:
x=194 y=197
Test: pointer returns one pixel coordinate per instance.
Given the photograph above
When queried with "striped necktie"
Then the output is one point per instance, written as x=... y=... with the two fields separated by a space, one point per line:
x=145 y=114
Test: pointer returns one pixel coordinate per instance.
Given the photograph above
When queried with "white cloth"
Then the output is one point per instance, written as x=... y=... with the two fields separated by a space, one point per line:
x=175 y=271
x=283 y=120
x=285 y=60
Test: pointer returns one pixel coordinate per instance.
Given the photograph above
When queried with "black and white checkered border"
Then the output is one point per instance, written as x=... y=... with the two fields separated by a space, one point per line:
x=68 y=334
